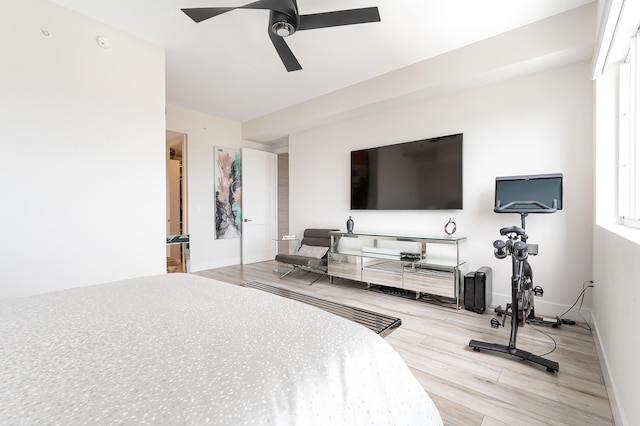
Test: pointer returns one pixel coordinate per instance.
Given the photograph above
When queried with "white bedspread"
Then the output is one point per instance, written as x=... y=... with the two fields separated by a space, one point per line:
x=182 y=349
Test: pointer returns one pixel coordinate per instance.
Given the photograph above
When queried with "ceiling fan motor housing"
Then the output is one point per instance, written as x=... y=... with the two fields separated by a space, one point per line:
x=283 y=24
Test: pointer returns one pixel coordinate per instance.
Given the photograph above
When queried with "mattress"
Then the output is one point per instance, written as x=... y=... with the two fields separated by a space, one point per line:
x=183 y=349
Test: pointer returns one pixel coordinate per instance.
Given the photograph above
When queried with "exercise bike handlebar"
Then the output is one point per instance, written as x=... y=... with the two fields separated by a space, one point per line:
x=526 y=207
x=513 y=230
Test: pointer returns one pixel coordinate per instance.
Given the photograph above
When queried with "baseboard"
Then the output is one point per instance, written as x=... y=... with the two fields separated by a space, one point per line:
x=197 y=267
x=548 y=309
x=617 y=411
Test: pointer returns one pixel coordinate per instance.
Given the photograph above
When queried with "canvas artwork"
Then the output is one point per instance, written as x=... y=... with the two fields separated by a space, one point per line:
x=228 y=191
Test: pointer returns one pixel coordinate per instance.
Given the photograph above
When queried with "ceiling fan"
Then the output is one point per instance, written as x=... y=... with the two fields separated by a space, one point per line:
x=284 y=20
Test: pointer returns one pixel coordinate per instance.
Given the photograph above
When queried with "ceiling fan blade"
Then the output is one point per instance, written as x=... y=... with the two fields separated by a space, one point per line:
x=284 y=6
x=286 y=55
x=338 y=18
x=199 y=14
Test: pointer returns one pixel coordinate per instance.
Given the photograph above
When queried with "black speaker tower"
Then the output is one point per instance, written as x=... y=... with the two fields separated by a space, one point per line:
x=477 y=290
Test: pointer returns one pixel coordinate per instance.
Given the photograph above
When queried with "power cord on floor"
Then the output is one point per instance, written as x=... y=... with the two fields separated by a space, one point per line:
x=585 y=286
x=555 y=344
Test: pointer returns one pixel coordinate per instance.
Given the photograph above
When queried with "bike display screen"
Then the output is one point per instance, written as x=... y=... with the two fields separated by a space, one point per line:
x=531 y=194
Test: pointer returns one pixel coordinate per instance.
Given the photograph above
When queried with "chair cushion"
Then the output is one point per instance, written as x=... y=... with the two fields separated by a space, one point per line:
x=318 y=232
x=317 y=237
x=312 y=251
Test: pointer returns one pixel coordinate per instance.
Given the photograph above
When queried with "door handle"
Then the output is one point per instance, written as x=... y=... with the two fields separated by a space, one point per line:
x=248 y=220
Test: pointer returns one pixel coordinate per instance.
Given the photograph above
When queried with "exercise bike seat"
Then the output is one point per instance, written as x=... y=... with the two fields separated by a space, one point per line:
x=512 y=230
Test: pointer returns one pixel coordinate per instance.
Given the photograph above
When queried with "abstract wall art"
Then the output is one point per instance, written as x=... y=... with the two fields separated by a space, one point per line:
x=228 y=193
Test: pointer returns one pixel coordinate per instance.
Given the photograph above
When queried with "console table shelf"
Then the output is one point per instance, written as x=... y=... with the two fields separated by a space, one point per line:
x=432 y=265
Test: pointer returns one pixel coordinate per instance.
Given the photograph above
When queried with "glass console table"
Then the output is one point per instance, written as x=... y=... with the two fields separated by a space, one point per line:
x=430 y=265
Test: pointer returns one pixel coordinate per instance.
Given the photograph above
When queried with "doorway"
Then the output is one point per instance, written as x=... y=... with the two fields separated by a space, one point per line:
x=284 y=247
x=176 y=149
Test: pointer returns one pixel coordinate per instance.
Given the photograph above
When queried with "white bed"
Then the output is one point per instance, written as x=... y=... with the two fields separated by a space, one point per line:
x=183 y=349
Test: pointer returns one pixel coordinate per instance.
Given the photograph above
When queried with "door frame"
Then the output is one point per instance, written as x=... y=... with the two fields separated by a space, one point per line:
x=178 y=142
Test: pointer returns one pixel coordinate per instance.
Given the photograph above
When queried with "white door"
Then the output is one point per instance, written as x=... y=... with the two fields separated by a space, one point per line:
x=259 y=205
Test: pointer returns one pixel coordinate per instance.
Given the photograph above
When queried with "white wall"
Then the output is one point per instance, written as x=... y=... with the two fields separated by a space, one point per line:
x=83 y=175
x=539 y=123
x=204 y=133
x=616 y=301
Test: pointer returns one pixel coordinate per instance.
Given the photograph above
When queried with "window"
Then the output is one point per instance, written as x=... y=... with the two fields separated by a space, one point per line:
x=629 y=137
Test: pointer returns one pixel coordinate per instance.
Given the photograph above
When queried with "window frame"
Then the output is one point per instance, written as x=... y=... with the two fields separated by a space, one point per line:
x=629 y=137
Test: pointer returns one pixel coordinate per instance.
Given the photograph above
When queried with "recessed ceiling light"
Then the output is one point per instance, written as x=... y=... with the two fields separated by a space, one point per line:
x=103 y=42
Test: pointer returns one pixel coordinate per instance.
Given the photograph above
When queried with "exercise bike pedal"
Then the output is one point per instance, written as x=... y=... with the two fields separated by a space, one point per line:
x=495 y=323
x=538 y=291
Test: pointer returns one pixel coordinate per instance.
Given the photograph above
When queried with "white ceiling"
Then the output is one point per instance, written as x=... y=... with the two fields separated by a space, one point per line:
x=226 y=66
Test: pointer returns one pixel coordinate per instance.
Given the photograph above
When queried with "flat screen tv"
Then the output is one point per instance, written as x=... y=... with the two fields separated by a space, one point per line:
x=420 y=175
x=529 y=193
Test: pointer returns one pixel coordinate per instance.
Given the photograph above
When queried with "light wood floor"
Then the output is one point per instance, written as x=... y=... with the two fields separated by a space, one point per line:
x=468 y=387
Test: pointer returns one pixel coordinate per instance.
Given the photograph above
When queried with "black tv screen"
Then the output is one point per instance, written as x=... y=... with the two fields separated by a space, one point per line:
x=529 y=193
x=420 y=175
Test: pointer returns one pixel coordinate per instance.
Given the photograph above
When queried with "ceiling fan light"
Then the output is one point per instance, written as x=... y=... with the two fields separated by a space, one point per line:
x=283 y=29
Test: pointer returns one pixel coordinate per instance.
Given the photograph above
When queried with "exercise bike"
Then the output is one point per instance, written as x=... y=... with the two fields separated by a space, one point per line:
x=526 y=310
x=521 y=308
